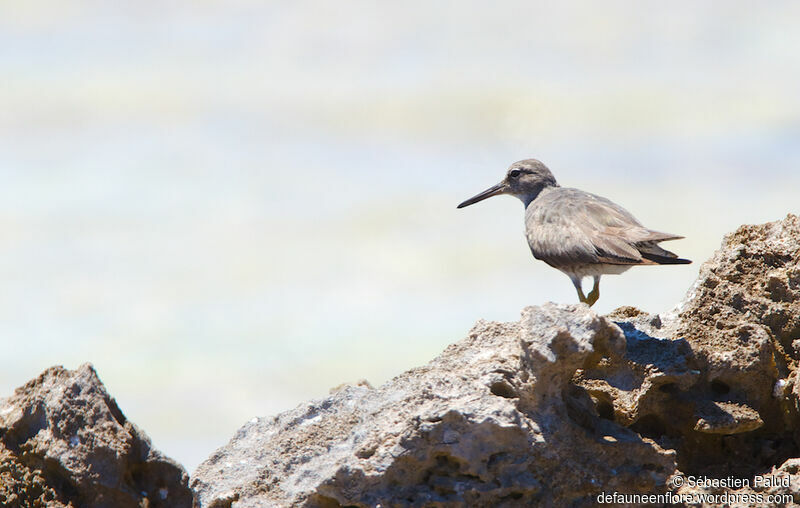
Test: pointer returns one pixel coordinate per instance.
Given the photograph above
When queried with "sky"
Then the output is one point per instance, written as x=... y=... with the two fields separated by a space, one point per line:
x=231 y=207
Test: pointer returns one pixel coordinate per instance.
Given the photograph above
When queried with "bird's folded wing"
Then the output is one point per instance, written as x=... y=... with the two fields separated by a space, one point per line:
x=573 y=227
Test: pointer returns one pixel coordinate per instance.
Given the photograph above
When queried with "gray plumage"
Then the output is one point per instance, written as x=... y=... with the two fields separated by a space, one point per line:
x=579 y=233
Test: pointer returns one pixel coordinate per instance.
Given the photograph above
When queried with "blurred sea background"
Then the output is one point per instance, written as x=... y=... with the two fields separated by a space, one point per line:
x=231 y=207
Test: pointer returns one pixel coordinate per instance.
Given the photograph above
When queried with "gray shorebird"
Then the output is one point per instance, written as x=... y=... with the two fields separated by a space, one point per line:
x=579 y=233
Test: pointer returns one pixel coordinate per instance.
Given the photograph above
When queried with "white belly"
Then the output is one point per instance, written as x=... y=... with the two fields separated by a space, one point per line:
x=592 y=270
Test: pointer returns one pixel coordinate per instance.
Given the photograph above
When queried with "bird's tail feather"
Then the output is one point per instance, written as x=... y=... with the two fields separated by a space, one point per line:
x=666 y=260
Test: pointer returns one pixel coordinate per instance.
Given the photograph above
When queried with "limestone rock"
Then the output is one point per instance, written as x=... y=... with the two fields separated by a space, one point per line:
x=64 y=442
x=557 y=407
x=551 y=410
x=740 y=416
x=493 y=421
x=743 y=313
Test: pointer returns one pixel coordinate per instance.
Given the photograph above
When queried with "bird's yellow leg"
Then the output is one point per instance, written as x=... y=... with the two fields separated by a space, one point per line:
x=594 y=295
x=577 y=283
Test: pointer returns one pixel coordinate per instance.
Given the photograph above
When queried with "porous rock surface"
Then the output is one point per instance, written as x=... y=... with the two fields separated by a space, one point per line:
x=551 y=410
x=738 y=414
x=492 y=421
x=741 y=320
x=64 y=442
x=558 y=407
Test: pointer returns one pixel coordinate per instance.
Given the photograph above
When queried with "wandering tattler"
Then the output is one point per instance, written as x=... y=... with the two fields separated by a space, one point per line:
x=579 y=233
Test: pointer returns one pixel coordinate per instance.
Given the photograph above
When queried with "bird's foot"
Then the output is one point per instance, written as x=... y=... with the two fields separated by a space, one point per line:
x=592 y=297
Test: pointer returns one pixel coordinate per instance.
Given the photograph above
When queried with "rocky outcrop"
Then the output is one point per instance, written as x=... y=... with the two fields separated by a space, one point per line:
x=64 y=442
x=739 y=416
x=555 y=410
x=493 y=421
x=741 y=320
x=558 y=407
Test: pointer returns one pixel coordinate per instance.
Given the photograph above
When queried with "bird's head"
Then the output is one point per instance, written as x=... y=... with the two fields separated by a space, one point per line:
x=524 y=179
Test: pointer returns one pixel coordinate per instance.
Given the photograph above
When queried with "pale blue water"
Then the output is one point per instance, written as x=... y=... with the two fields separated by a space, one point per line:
x=229 y=207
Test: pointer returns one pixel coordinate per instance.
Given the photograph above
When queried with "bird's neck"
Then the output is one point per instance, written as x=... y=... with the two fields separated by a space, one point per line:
x=528 y=197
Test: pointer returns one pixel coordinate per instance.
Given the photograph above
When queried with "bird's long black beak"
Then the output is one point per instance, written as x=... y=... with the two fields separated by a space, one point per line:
x=491 y=191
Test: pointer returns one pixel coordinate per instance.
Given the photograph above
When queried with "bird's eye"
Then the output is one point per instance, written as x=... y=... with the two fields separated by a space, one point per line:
x=514 y=173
